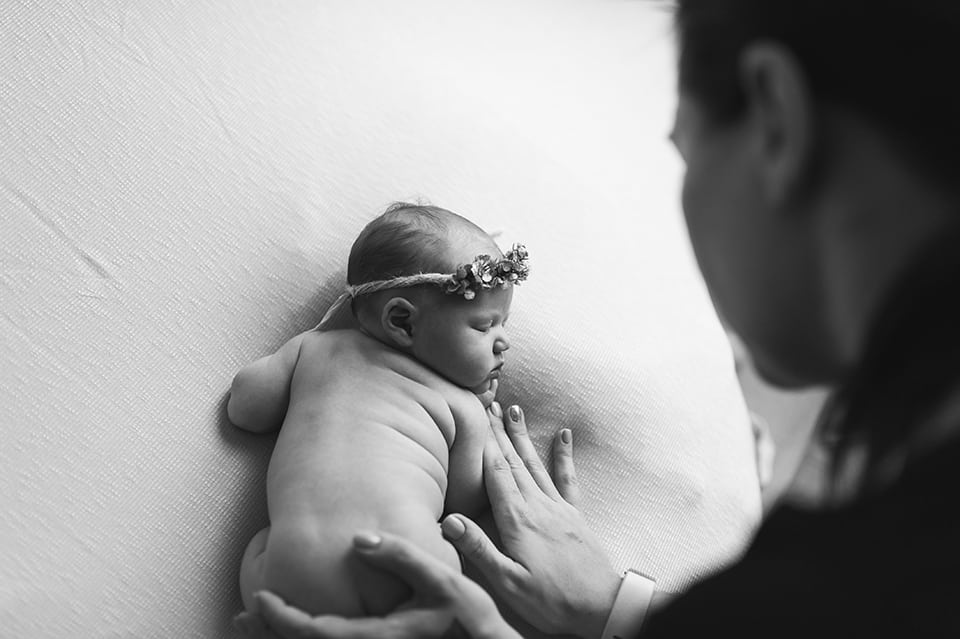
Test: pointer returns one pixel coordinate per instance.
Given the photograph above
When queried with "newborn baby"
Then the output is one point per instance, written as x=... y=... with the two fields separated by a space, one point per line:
x=383 y=426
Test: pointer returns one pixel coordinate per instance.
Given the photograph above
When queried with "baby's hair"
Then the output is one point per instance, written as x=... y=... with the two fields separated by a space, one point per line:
x=406 y=239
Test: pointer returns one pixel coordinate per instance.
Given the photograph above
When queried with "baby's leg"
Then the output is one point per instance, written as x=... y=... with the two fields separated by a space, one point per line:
x=317 y=571
x=376 y=598
x=311 y=568
x=251 y=568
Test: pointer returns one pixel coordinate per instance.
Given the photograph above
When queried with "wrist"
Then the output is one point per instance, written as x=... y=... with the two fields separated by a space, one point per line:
x=605 y=596
x=630 y=607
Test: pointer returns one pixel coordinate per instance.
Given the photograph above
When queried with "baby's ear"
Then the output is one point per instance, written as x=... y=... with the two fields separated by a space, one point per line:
x=397 y=320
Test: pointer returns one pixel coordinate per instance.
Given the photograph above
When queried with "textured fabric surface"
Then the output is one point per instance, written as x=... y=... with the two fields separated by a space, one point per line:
x=180 y=182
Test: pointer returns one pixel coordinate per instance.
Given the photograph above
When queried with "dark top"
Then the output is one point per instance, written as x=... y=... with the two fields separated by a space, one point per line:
x=884 y=566
x=888 y=563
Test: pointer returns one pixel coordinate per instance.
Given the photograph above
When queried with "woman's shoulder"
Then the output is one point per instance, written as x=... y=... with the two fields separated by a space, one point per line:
x=882 y=565
x=917 y=507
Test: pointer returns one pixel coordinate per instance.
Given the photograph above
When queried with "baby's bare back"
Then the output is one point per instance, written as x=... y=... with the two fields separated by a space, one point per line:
x=364 y=446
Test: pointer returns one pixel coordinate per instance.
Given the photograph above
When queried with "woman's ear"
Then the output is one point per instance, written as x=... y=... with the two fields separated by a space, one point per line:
x=782 y=111
x=397 y=321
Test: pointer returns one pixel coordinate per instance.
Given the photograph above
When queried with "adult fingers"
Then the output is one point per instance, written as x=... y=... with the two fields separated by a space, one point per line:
x=516 y=426
x=506 y=500
x=403 y=558
x=291 y=623
x=253 y=626
x=473 y=609
x=468 y=538
x=521 y=474
x=563 y=470
x=434 y=580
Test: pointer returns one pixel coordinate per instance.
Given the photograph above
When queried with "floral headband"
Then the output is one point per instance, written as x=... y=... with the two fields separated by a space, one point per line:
x=469 y=279
x=485 y=273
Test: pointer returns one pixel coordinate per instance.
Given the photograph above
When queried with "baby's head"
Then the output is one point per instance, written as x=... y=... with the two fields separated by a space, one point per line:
x=456 y=328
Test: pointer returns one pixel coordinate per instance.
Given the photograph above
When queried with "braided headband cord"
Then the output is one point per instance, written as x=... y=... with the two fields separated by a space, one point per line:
x=482 y=273
x=366 y=288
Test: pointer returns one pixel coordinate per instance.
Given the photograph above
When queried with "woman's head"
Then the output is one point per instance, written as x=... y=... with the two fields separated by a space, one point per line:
x=774 y=96
x=892 y=62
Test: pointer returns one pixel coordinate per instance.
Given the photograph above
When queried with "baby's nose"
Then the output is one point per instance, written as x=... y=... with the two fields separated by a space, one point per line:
x=501 y=345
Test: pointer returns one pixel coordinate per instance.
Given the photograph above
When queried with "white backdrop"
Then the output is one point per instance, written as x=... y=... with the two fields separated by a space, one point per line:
x=180 y=182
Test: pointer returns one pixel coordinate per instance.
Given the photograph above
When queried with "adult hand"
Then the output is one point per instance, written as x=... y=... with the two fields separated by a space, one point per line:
x=554 y=573
x=442 y=596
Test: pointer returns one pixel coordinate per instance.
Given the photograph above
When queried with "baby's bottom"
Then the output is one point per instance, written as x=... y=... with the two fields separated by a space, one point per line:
x=317 y=572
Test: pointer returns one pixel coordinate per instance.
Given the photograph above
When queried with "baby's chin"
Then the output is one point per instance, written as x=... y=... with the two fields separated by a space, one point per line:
x=486 y=391
x=482 y=387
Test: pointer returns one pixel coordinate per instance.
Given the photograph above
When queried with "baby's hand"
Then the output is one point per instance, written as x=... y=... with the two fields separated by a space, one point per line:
x=486 y=398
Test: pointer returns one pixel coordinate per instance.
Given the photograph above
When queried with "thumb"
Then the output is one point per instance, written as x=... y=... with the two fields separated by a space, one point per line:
x=470 y=540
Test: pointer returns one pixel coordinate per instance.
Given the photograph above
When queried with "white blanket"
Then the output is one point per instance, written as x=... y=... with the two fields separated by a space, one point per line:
x=180 y=183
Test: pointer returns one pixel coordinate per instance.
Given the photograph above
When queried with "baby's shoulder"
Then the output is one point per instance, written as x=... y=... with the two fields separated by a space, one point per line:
x=341 y=344
x=356 y=353
x=349 y=351
x=363 y=365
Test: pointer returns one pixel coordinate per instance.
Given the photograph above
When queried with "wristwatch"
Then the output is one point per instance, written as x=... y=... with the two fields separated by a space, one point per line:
x=630 y=607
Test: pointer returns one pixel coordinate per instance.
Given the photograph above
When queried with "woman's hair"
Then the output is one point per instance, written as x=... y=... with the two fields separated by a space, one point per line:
x=894 y=62
x=406 y=239
x=911 y=363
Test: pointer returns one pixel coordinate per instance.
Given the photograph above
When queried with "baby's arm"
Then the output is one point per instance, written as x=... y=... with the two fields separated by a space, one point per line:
x=261 y=390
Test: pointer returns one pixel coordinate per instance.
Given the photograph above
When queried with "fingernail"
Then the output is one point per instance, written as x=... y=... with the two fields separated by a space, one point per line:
x=241 y=624
x=495 y=409
x=566 y=436
x=453 y=527
x=515 y=413
x=366 y=541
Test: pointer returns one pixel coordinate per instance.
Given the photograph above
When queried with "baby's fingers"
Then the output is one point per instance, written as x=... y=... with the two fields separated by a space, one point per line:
x=486 y=398
x=564 y=473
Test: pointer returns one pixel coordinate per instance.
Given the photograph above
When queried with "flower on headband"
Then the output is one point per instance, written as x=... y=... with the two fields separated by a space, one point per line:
x=484 y=273
x=515 y=264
